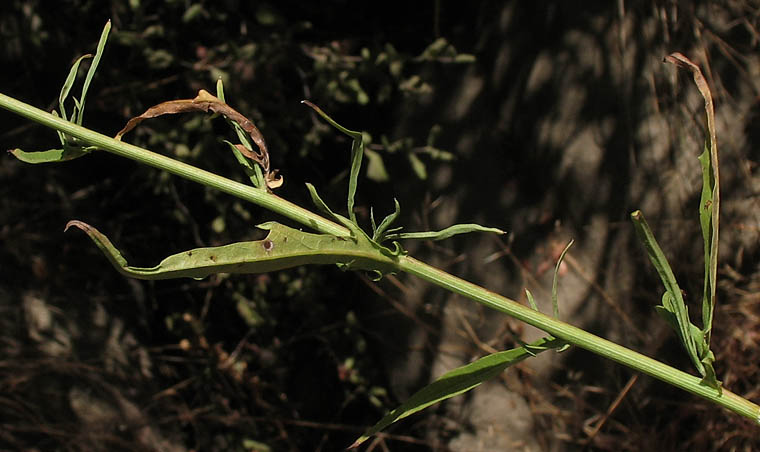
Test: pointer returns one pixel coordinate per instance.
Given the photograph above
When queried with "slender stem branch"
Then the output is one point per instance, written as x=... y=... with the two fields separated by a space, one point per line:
x=557 y=328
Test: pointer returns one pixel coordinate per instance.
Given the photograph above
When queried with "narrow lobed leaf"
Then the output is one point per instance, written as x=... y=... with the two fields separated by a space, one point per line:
x=705 y=222
x=711 y=178
x=555 y=280
x=92 y=70
x=372 y=222
x=357 y=151
x=67 y=84
x=672 y=300
x=283 y=247
x=445 y=233
x=458 y=381
x=321 y=205
x=379 y=233
x=352 y=133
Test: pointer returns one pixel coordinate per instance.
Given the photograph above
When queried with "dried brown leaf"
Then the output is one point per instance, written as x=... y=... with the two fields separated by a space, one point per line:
x=680 y=60
x=207 y=102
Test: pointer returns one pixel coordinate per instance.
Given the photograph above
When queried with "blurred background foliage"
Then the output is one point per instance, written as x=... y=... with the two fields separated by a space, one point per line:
x=457 y=103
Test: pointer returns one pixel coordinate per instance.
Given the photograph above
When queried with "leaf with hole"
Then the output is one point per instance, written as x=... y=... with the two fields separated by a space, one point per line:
x=283 y=247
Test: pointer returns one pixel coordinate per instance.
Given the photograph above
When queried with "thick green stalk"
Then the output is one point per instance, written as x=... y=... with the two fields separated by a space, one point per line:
x=559 y=329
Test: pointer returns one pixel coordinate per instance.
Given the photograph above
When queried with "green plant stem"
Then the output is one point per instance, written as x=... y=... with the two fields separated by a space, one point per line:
x=260 y=197
x=581 y=338
x=557 y=328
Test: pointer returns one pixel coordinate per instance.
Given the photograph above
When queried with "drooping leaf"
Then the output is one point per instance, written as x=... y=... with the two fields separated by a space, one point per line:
x=207 y=102
x=357 y=151
x=444 y=233
x=283 y=247
x=456 y=382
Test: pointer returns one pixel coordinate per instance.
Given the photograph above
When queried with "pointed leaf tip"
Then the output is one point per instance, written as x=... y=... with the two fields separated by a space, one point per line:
x=458 y=381
x=79 y=224
x=445 y=233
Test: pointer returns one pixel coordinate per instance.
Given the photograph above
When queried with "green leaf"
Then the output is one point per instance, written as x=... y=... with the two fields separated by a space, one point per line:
x=555 y=280
x=321 y=205
x=457 y=381
x=709 y=218
x=357 y=151
x=710 y=379
x=220 y=89
x=555 y=292
x=379 y=233
x=283 y=247
x=71 y=148
x=710 y=240
x=531 y=300
x=67 y=84
x=51 y=156
x=445 y=233
x=93 y=69
x=672 y=300
x=666 y=315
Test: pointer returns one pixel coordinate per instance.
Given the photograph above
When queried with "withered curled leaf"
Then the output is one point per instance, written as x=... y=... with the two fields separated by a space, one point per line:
x=207 y=102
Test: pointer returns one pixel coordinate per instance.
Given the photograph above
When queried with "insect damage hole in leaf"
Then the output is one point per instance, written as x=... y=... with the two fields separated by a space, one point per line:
x=274 y=252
